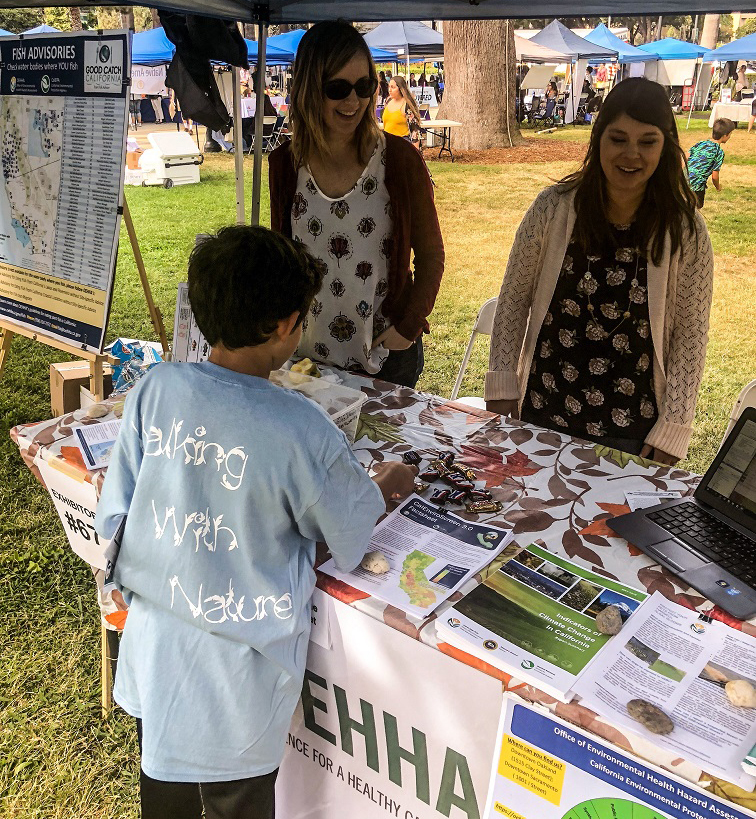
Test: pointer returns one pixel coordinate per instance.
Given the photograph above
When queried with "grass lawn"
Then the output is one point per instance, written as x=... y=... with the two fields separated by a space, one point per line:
x=57 y=759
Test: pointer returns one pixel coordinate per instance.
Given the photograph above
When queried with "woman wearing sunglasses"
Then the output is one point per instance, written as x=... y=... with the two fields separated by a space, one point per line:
x=362 y=202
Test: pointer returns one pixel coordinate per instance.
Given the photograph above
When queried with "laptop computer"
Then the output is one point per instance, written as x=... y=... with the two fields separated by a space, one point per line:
x=709 y=540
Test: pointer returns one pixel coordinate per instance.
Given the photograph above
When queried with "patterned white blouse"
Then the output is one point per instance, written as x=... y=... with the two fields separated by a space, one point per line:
x=351 y=236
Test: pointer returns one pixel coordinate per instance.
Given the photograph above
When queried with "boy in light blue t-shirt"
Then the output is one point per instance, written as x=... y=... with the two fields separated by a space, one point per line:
x=226 y=482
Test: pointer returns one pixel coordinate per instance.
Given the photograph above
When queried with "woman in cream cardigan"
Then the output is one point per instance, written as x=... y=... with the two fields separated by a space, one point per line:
x=602 y=320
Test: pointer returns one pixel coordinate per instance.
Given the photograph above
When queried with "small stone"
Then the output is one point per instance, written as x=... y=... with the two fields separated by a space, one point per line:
x=375 y=563
x=741 y=693
x=609 y=621
x=650 y=717
x=97 y=411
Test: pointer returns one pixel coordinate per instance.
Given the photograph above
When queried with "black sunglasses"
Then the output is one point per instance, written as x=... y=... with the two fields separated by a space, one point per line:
x=365 y=87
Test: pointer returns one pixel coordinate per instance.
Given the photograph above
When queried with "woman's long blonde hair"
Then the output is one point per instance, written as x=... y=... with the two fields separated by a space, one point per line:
x=323 y=52
x=407 y=95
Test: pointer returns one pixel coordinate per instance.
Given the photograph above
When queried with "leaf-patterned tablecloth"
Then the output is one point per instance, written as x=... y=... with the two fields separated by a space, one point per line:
x=555 y=490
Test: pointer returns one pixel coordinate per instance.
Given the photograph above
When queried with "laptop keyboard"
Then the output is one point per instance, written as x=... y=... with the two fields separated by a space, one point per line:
x=722 y=544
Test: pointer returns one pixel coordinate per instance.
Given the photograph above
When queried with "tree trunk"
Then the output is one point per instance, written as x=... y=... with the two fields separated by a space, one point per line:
x=75 y=18
x=480 y=68
x=155 y=18
x=710 y=31
x=127 y=17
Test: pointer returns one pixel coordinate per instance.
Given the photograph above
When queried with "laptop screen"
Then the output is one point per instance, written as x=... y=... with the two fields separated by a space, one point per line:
x=733 y=479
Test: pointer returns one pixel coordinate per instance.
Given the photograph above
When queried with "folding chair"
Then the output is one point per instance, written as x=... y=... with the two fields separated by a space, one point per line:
x=274 y=140
x=483 y=326
x=535 y=104
x=546 y=116
x=266 y=137
x=747 y=398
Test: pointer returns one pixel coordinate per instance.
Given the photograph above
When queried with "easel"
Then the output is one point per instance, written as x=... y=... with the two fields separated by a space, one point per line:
x=108 y=652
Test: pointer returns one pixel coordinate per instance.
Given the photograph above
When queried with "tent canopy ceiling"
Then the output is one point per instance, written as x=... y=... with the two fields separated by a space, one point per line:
x=626 y=52
x=671 y=49
x=742 y=49
x=559 y=37
x=407 y=38
x=310 y=11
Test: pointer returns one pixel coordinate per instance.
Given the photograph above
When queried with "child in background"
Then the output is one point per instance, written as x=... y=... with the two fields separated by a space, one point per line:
x=706 y=158
x=226 y=482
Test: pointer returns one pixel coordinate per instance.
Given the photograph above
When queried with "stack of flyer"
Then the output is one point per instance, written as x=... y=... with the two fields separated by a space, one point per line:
x=430 y=553
x=535 y=618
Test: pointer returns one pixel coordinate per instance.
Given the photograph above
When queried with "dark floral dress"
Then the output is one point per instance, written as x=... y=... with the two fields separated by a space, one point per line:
x=592 y=369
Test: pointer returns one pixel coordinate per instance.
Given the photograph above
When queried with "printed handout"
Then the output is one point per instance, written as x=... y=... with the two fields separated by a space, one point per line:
x=679 y=661
x=430 y=553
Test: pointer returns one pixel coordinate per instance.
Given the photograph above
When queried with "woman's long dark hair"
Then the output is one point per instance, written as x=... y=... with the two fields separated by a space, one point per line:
x=668 y=206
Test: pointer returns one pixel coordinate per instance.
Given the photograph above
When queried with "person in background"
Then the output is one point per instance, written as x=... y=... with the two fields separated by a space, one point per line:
x=551 y=90
x=422 y=82
x=412 y=81
x=383 y=88
x=157 y=106
x=589 y=86
x=401 y=115
x=752 y=118
x=601 y=76
x=361 y=200
x=213 y=685
x=601 y=324
x=706 y=158
x=740 y=82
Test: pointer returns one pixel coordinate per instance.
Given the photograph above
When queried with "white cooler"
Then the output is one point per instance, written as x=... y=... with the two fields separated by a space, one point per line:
x=172 y=160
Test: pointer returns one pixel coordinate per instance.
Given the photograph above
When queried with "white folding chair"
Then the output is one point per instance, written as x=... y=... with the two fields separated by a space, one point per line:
x=747 y=398
x=483 y=326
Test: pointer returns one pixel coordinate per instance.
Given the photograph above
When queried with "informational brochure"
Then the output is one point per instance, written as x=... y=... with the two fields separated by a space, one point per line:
x=95 y=442
x=536 y=618
x=545 y=768
x=680 y=661
x=430 y=553
x=188 y=342
x=642 y=500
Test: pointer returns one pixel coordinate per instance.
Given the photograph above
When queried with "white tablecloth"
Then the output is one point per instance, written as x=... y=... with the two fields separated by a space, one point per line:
x=736 y=111
x=249 y=105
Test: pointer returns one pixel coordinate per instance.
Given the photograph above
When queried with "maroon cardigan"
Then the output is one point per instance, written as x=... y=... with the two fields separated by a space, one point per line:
x=410 y=299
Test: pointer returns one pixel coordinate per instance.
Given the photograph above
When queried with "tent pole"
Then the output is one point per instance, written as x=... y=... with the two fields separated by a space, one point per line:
x=262 y=36
x=238 y=149
x=695 y=91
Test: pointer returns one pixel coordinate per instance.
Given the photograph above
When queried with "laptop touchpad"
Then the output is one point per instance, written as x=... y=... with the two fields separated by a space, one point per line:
x=676 y=555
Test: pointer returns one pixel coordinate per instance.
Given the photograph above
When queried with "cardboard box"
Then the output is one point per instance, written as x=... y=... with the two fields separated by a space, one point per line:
x=66 y=380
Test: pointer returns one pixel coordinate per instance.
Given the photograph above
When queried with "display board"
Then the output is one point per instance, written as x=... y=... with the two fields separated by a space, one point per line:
x=63 y=120
x=387 y=727
x=148 y=79
x=549 y=769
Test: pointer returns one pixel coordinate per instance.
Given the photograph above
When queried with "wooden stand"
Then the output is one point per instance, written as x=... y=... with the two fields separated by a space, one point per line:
x=96 y=386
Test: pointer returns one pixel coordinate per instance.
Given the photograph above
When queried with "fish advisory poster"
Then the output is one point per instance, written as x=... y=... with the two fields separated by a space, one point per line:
x=545 y=768
x=63 y=120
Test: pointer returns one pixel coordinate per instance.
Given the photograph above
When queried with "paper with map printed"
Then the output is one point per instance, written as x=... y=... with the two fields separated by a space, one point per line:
x=430 y=552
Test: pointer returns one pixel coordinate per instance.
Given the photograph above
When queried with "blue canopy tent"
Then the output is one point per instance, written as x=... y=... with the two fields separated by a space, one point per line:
x=407 y=39
x=671 y=49
x=560 y=38
x=290 y=42
x=4 y=33
x=43 y=29
x=626 y=53
x=742 y=49
x=151 y=47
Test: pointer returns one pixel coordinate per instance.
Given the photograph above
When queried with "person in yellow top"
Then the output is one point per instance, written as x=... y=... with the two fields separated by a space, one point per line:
x=400 y=110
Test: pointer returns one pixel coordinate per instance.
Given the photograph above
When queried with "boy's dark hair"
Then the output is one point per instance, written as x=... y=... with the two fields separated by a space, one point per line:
x=722 y=127
x=244 y=280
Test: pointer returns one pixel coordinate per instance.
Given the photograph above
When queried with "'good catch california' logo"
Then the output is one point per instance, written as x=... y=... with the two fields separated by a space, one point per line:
x=103 y=66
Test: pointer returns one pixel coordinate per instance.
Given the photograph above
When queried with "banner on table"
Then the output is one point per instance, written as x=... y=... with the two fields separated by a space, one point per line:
x=63 y=123
x=148 y=79
x=75 y=502
x=548 y=769
x=387 y=727
x=425 y=95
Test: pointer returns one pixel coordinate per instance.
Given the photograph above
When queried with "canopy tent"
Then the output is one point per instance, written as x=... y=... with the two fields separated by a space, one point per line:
x=742 y=49
x=43 y=29
x=560 y=38
x=152 y=47
x=407 y=39
x=4 y=33
x=311 y=11
x=529 y=52
x=671 y=49
x=290 y=42
x=626 y=53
